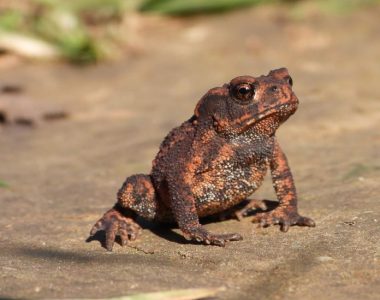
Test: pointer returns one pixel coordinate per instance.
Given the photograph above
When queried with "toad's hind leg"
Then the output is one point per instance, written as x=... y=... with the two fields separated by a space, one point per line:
x=136 y=197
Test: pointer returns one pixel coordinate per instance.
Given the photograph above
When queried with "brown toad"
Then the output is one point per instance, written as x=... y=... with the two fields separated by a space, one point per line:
x=212 y=162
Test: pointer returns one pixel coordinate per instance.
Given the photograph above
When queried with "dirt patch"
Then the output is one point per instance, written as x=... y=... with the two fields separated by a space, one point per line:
x=64 y=175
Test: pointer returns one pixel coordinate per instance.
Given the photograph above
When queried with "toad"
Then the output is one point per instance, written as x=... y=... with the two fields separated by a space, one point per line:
x=214 y=161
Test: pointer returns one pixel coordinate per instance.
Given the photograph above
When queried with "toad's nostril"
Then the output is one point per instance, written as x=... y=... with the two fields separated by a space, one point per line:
x=289 y=80
x=274 y=88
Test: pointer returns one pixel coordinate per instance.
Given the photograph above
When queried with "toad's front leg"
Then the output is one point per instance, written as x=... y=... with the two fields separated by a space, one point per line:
x=286 y=213
x=182 y=203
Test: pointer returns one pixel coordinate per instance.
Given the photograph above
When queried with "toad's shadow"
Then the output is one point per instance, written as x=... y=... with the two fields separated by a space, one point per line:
x=165 y=230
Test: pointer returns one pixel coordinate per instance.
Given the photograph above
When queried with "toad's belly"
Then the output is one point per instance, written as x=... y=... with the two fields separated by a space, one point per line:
x=225 y=186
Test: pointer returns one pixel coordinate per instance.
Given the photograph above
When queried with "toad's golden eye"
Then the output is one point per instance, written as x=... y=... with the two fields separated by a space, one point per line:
x=243 y=92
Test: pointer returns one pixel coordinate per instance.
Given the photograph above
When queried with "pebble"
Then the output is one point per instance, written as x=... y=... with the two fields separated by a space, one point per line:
x=324 y=258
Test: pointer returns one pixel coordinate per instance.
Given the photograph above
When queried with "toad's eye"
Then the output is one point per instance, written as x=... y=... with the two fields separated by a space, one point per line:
x=244 y=92
x=289 y=80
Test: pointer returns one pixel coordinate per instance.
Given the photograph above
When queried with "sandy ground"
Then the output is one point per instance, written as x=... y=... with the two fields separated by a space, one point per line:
x=63 y=175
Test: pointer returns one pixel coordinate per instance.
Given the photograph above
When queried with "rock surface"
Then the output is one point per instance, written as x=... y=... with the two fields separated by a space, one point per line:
x=64 y=175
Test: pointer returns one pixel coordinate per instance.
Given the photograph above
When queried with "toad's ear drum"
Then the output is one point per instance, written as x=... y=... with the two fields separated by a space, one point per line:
x=210 y=102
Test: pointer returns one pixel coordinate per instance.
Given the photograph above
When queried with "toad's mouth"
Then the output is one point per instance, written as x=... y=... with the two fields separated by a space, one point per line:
x=283 y=111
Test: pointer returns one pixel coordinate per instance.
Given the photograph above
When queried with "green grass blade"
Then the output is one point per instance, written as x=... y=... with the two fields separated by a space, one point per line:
x=186 y=7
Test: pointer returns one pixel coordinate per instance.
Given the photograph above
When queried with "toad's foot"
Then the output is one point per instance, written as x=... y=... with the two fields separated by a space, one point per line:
x=284 y=216
x=200 y=234
x=253 y=204
x=114 y=223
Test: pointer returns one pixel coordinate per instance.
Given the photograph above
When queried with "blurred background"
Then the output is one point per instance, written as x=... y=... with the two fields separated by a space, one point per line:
x=88 y=31
x=89 y=89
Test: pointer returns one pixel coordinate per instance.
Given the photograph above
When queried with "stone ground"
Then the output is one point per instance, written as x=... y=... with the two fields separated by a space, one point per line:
x=63 y=175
